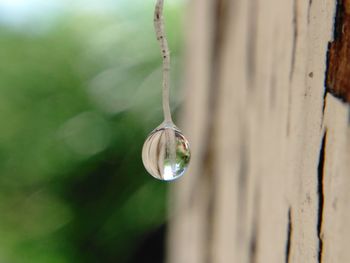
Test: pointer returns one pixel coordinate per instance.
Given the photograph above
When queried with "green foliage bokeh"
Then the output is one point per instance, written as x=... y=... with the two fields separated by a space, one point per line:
x=76 y=103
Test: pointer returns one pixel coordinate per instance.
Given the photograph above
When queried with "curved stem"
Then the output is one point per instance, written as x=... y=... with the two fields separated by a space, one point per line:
x=159 y=28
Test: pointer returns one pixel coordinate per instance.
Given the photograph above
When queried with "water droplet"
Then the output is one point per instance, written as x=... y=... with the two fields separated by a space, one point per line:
x=166 y=153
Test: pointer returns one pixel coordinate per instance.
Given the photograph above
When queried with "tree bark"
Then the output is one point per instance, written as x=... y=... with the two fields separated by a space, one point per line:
x=269 y=178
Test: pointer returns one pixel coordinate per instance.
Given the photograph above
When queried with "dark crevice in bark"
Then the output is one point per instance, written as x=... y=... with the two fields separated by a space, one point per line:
x=255 y=229
x=289 y=235
x=253 y=247
x=324 y=102
x=309 y=11
x=251 y=42
x=325 y=82
x=324 y=106
x=338 y=20
x=320 y=193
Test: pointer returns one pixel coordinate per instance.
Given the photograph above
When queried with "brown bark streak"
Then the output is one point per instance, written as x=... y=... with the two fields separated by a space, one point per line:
x=338 y=72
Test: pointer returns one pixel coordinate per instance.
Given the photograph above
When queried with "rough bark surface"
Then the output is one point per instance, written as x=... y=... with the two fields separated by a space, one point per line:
x=270 y=174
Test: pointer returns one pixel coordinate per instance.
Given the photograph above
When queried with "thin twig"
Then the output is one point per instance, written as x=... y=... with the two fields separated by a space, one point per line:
x=161 y=37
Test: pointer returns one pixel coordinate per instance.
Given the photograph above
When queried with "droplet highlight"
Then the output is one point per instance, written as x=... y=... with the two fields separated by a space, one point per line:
x=166 y=153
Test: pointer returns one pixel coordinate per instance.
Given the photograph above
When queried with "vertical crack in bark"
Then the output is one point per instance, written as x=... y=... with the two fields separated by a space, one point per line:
x=320 y=192
x=289 y=235
x=325 y=93
x=255 y=228
x=292 y=66
x=253 y=246
x=309 y=11
x=324 y=106
x=325 y=82
x=295 y=38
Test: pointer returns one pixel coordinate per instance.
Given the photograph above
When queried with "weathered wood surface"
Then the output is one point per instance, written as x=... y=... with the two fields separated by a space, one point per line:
x=270 y=174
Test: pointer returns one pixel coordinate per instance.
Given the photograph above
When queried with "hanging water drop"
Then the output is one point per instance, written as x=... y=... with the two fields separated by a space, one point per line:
x=166 y=153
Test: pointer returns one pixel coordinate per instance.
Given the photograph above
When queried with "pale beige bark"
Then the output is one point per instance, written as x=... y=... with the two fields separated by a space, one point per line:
x=270 y=174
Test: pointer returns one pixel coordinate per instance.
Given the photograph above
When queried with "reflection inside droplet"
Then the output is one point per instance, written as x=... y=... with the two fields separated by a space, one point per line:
x=166 y=153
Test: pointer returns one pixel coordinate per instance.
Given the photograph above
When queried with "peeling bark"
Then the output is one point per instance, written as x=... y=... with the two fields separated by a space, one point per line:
x=338 y=72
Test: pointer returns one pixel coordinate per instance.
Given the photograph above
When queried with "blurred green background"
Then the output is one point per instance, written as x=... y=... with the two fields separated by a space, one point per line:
x=79 y=92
